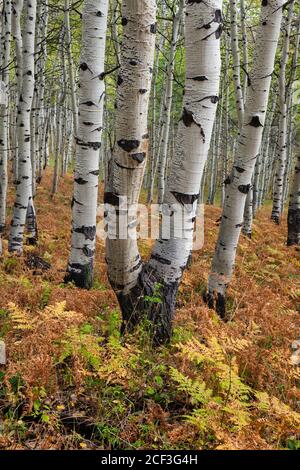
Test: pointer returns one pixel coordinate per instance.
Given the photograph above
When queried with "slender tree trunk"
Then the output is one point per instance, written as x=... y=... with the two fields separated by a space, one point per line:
x=248 y=214
x=71 y=66
x=294 y=208
x=234 y=36
x=225 y=133
x=168 y=105
x=245 y=49
x=282 y=145
x=17 y=7
x=238 y=183
x=23 y=199
x=4 y=117
x=88 y=143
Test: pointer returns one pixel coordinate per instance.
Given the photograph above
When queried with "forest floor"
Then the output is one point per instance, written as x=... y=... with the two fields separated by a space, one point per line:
x=71 y=382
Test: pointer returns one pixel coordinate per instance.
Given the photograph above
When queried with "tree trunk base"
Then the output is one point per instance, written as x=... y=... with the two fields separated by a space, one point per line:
x=81 y=275
x=276 y=219
x=217 y=302
x=151 y=301
x=247 y=234
x=293 y=227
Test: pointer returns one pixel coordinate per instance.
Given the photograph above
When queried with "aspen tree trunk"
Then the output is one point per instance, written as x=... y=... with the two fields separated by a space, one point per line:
x=291 y=109
x=214 y=159
x=234 y=36
x=248 y=214
x=168 y=105
x=23 y=201
x=17 y=7
x=4 y=110
x=289 y=160
x=245 y=48
x=127 y=166
x=238 y=183
x=71 y=66
x=58 y=149
x=294 y=208
x=115 y=35
x=266 y=150
x=225 y=133
x=33 y=131
x=217 y=146
x=256 y=183
x=60 y=118
x=156 y=129
x=88 y=143
x=133 y=282
x=40 y=88
x=282 y=145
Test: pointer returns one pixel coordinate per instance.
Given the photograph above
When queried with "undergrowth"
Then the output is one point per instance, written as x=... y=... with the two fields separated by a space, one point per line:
x=71 y=381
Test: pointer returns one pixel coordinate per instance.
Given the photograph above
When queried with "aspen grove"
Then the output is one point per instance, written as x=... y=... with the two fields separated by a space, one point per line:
x=150 y=173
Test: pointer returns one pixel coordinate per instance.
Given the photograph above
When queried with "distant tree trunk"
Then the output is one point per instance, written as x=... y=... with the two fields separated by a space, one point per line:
x=168 y=105
x=245 y=49
x=71 y=66
x=234 y=36
x=40 y=122
x=266 y=150
x=225 y=129
x=17 y=7
x=23 y=201
x=238 y=183
x=248 y=214
x=294 y=209
x=161 y=276
x=88 y=142
x=282 y=145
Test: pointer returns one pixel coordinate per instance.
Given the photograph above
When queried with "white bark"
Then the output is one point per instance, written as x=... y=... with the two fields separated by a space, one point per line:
x=71 y=66
x=239 y=182
x=127 y=166
x=4 y=110
x=167 y=107
x=23 y=200
x=294 y=208
x=203 y=27
x=88 y=142
x=17 y=7
x=40 y=120
x=234 y=36
x=245 y=48
x=282 y=144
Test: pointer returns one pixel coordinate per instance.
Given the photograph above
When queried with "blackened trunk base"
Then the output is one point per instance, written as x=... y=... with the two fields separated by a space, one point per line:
x=82 y=275
x=276 y=219
x=247 y=233
x=217 y=302
x=293 y=227
x=31 y=224
x=152 y=301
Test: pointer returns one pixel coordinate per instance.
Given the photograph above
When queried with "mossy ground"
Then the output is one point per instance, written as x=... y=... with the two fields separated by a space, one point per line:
x=71 y=382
